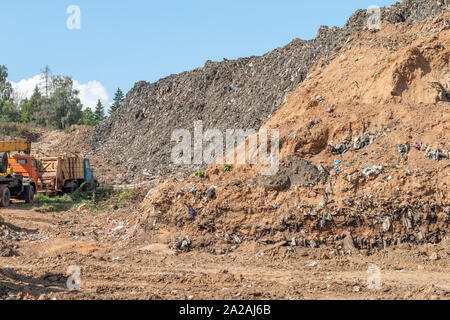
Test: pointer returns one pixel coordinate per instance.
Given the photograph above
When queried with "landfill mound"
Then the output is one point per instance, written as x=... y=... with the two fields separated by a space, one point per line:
x=365 y=158
x=242 y=93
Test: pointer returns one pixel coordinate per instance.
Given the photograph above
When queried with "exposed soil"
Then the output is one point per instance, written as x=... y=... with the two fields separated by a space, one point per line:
x=115 y=267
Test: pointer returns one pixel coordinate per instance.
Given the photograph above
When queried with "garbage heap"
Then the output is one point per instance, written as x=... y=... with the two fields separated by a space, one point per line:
x=240 y=94
x=364 y=158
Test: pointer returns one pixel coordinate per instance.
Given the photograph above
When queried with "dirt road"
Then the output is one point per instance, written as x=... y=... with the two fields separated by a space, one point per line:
x=113 y=266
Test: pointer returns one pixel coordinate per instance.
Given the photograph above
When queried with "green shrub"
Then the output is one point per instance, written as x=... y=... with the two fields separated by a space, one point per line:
x=226 y=168
x=199 y=174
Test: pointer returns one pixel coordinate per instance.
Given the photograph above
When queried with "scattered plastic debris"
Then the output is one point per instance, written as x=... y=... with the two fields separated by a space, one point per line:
x=417 y=145
x=386 y=224
x=211 y=194
x=191 y=212
x=117 y=228
x=312 y=123
x=294 y=242
x=183 y=243
x=373 y=171
x=312 y=265
x=404 y=149
x=361 y=142
x=437 y=155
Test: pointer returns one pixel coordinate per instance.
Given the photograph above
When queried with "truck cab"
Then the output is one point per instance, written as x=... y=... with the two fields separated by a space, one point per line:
x=27 y=167
x=18 y=173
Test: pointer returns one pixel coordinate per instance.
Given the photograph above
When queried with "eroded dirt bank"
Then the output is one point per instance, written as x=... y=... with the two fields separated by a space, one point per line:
x=113 y=267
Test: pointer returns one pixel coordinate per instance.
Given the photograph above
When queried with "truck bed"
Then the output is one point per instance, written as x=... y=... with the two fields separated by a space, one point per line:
x=54 y=172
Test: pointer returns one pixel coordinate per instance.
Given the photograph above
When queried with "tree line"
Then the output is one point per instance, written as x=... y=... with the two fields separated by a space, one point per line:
x=55 y=103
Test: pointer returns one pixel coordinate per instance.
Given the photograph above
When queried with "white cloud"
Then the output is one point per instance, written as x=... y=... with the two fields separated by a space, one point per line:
x=89 y=92
x=24 y=88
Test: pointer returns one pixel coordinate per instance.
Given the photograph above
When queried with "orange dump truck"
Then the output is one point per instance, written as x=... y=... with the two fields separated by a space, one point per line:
x=18 y=173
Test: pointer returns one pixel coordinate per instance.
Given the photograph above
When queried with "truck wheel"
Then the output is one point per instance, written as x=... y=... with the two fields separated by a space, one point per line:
x=3 y=162
x=5 y=197
x=29 y=194
x=74 y=187
x=71 y=187
x=90 y=186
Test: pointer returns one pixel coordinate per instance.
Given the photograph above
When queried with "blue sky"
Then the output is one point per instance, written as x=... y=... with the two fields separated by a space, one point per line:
x=122 y=42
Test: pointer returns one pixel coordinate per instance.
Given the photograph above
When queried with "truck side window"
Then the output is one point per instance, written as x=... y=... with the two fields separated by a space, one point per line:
x=22 y=161
x=33 y=163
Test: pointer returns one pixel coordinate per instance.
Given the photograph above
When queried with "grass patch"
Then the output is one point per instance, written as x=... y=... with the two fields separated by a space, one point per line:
x=7 y=288
x=103 y=198
x=57 y=203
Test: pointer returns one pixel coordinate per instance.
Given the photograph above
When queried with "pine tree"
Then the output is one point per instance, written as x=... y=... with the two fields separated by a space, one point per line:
x=118 y=101
x=33 y=109
x=99 y=112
